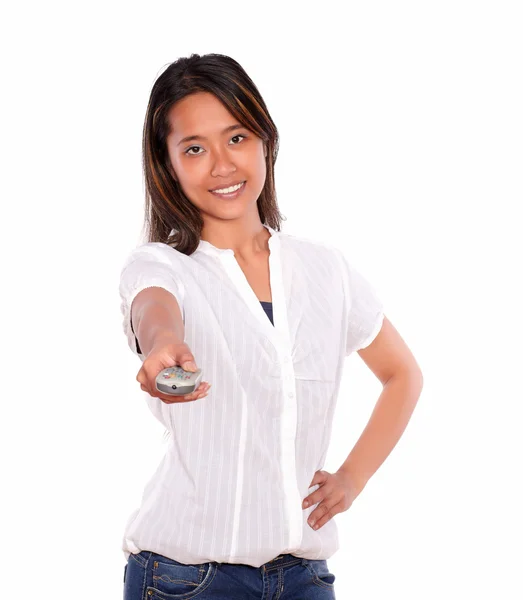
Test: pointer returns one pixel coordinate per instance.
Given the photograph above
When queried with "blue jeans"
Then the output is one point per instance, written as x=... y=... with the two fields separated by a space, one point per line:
x=150 y=576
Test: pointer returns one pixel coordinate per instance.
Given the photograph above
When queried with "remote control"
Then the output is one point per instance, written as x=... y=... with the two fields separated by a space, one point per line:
x=175 y=381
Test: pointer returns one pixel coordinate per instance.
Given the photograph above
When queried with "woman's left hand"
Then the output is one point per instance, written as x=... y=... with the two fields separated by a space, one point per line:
x=336 y=493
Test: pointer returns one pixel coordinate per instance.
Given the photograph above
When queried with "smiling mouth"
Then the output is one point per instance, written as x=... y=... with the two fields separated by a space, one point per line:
x=236 y=187
x=230 y=195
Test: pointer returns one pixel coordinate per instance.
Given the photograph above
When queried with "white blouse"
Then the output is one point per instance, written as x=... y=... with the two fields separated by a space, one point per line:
x=239 y=461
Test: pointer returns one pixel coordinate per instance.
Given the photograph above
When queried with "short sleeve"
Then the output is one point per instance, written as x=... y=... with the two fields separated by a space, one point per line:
x=364 y=308
x=147 y=266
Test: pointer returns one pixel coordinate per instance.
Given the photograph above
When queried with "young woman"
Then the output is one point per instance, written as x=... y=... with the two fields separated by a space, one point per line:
x=240 y=506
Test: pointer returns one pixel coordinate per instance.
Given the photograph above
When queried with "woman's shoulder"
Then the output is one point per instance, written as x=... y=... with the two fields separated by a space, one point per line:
x=308 y=247
x=157 y=252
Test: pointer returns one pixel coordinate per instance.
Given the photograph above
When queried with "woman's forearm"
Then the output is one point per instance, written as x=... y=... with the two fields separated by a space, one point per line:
x=156 y=314
x=386 y=425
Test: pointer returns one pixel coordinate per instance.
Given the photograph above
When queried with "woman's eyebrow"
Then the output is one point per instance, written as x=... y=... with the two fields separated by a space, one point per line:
x=201 y=137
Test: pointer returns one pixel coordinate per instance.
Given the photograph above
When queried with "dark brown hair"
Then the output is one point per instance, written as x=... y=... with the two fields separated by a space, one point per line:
x=167 y=208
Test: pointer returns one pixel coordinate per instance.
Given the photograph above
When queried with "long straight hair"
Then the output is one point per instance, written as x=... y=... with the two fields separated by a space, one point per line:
x=170 y=217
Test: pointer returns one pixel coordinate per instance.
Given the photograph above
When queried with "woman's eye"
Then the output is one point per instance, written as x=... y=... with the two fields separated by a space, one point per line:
x=187 y=151
x=239 y=135
x=193 y=154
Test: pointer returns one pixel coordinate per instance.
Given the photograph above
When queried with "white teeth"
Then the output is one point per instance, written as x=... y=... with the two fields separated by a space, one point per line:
x=229 y=189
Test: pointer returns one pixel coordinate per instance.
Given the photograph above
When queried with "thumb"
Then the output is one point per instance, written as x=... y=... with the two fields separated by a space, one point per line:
x=189 y=365
x=186 y=360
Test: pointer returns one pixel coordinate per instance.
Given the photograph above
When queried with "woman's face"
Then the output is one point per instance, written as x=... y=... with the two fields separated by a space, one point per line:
x=219 y=157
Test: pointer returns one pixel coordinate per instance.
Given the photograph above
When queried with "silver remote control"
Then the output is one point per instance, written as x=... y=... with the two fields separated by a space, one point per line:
x=175 y=381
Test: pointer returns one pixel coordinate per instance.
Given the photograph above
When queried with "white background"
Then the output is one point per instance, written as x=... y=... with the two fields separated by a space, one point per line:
x=401 y=142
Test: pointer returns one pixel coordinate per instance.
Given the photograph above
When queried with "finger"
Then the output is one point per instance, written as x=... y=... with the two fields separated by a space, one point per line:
x=141 y=376
x=319 y=477
x=317 y=514
x=317 y=496
x=201 y=392
x=319 y=521
x=202 y=389
x=320 y=510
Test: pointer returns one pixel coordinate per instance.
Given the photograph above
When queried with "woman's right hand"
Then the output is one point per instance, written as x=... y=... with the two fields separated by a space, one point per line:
x=166 y=353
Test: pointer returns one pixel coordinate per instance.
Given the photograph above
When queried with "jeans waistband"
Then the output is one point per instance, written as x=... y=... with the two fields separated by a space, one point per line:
x=283 y=560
